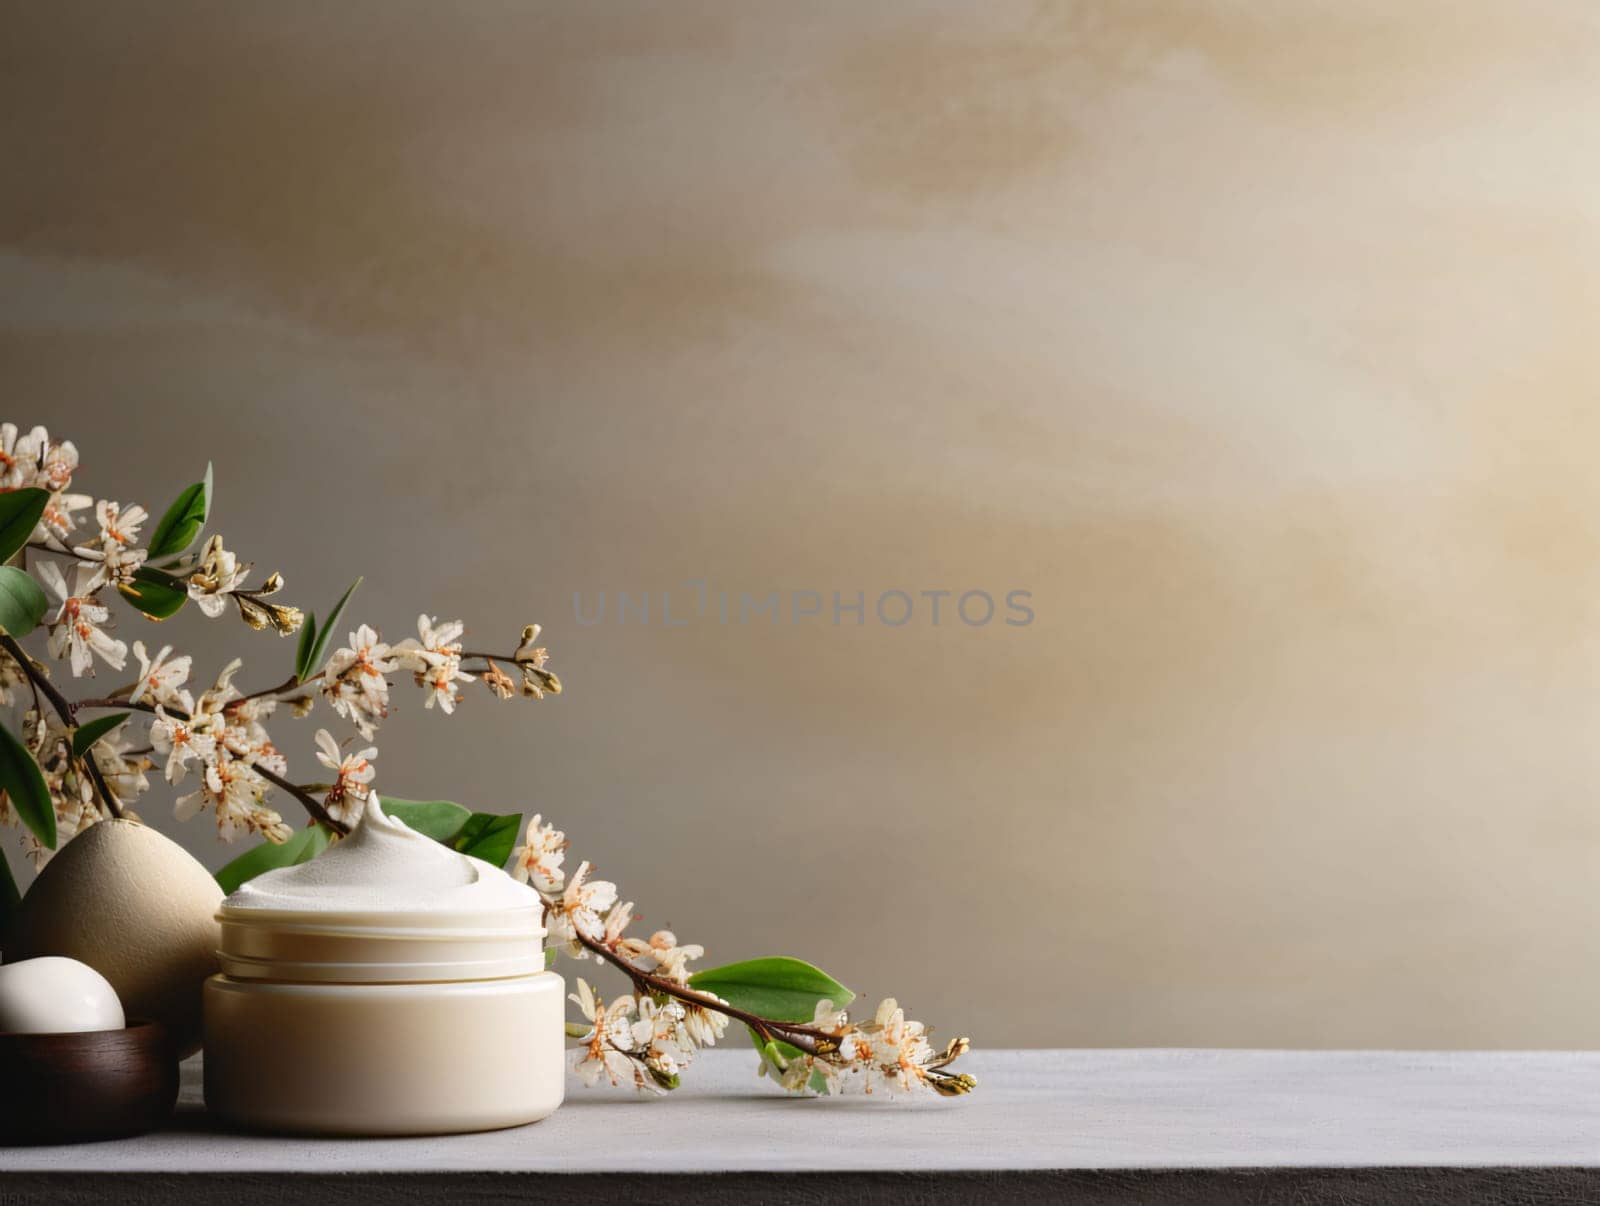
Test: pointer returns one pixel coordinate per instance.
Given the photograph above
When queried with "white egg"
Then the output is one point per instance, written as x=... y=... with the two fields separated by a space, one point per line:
x=54 y=995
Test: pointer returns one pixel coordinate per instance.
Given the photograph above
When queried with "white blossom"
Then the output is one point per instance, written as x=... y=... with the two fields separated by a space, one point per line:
x=124 y=774
x=580 y=909
x=440 y=683
x=615 y=921
x=161 y=681
x=73 y=799
x=804 y=1071
x=661 y=954
x=11 y=677
x=826 y=1017
x=890 y=1052
x=77 y=630
x=434 y=658
x=117 y=553
x=59 y=520
x=604 y=1053
x=796 y=1078
x=72 y=793
x=180 y=741
x=118 y=524
x=704 y=1026
x=353 y=773
x=57 y=464
x=235 y=791
x=661 y=1040
x=241 y=729
x=538 y=860
x=433 y=645
x=21 y=456
x=354 y=680
x=218 y=576
x=215 y=698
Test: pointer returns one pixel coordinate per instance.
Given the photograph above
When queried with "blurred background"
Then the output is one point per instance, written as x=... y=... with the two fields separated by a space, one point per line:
x=1255 y=342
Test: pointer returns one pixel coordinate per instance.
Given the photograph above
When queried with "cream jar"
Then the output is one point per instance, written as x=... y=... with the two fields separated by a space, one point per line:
x=389 y=987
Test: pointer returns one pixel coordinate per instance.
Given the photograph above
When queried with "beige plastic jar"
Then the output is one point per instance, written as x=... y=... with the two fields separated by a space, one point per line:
x=386 y=1023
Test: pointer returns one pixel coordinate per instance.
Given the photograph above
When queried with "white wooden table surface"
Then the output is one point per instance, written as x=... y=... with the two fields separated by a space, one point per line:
x=1173 y=1124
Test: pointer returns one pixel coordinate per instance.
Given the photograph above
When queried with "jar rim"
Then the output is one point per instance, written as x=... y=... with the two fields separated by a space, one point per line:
x=521 y=919
x=380 y=947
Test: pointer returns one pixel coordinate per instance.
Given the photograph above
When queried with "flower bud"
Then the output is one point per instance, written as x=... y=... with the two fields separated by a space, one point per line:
x=252 y=613
x=286 y=620
x=498 y=681
x=527 y=653
x=536 y=682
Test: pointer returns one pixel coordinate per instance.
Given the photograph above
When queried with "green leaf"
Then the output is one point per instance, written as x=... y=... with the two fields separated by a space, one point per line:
x=483 y=835
x=22 y=603
x=183 y=521
x=86 y=735
x=774 y=1053
x=309 y=660
x=23 y=781
x=10 y=898
x=303 y=648
x=156 y=593
x=778 y=1053
x=19 y=515
x=549 y=957
x=439 y=819
x=489 y=837
x=301 y=848
x=777 y=987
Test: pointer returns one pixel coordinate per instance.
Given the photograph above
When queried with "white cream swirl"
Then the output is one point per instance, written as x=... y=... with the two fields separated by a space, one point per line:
x=385 y=866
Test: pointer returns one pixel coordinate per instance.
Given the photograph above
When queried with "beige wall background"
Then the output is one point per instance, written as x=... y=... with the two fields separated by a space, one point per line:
x=1255 y=340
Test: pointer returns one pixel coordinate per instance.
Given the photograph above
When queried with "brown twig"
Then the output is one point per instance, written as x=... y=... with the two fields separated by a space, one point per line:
x=489 y=657
x=112 y=701
x=41 y=547
x=69 y=716
x=312 y=805
x=113 y=805
x=307 y=800
x=62 y=704
x=812 y=1040
x=288 y=684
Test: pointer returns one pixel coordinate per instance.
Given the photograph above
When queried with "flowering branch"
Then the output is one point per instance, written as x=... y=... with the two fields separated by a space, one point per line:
x=650 y=1034
x=62 y=704
x=67 y=711
x=119 y=697
x=113 y=805
x=812 y=1040
x=308 y=801
x=59 y=767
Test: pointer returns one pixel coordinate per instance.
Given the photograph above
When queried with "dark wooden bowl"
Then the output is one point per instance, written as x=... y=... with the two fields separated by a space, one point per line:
x=73 y=1088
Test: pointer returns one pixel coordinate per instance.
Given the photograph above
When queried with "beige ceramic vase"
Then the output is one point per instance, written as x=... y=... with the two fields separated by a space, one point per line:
x=137 y=908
